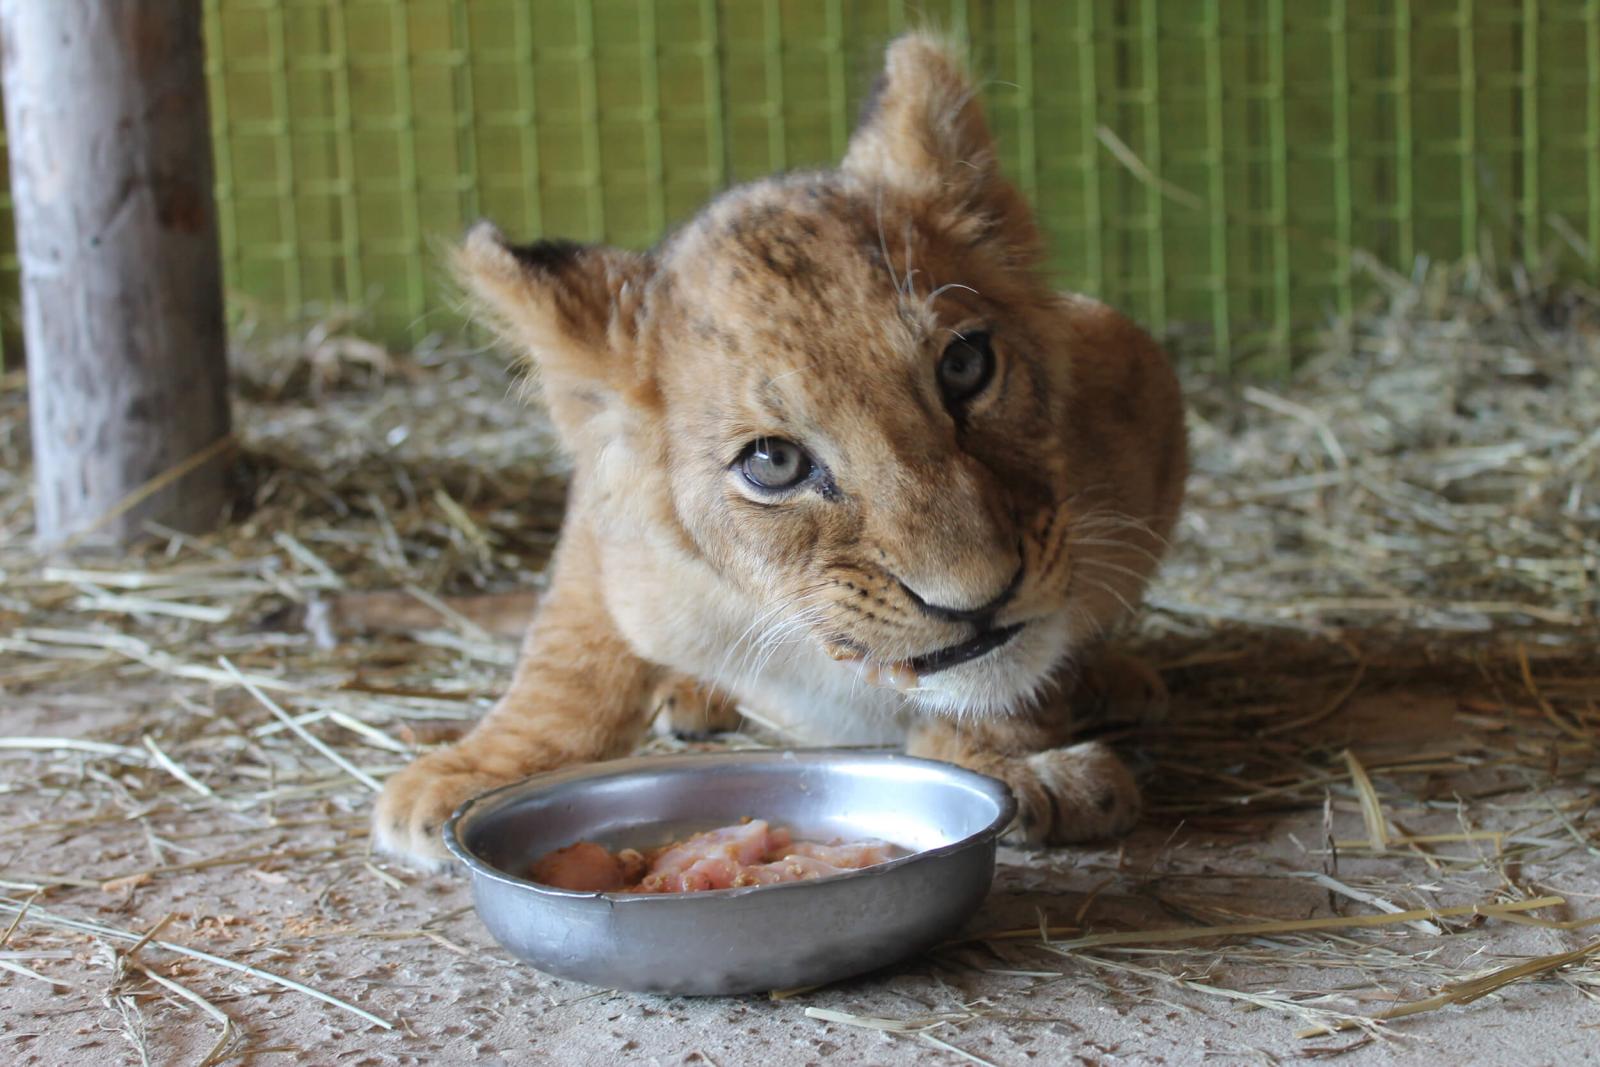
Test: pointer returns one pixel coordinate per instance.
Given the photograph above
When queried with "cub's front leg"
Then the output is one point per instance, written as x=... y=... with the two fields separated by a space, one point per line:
x=578 y=694
x=1065 y=793
x=690 y=710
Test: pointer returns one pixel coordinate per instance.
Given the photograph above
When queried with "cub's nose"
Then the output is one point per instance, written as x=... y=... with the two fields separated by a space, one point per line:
x=983 y=615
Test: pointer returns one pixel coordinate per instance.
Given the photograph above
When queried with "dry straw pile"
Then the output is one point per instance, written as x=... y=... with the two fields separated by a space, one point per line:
x=1412 y=527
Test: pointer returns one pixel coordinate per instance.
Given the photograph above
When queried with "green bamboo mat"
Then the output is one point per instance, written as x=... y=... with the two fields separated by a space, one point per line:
x=1220 y=168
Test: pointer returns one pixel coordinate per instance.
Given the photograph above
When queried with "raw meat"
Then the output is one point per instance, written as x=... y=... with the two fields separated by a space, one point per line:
x=750 y=853
x=589 y=867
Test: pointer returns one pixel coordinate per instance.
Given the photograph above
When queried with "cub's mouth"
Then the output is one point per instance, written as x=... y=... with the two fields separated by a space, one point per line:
x=954 y=655
x=908 y=674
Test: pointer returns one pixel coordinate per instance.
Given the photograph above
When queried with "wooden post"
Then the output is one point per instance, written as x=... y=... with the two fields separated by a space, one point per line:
x=111 y=175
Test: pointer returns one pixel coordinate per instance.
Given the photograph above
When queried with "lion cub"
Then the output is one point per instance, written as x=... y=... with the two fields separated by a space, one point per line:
x=842 y=460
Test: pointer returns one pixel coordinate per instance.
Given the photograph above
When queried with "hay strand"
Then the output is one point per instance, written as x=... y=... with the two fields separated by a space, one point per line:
x=1287 y=926
x=300 y=731
x=1467 y=992
x=39 y=915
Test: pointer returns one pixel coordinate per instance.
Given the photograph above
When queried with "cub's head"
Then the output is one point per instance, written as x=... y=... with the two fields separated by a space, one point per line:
x=853 y=396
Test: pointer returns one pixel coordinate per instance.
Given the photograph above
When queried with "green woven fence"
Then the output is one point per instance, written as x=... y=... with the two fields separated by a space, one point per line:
x=1221 y=168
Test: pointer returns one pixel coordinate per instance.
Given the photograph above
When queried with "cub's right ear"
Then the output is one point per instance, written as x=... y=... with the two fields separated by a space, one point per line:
x=571 y=309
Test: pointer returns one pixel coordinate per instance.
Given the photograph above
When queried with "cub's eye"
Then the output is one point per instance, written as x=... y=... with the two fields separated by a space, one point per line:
x=773 y=464
x=966 y=367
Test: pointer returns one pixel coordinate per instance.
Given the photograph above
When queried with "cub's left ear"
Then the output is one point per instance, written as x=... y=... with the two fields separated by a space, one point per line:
x=571 y=309
x=923 y=134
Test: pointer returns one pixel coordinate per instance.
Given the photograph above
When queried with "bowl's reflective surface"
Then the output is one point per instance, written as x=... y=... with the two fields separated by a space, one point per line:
x=735 y=940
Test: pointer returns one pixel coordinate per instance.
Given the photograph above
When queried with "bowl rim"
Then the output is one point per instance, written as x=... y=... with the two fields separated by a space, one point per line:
x=993 y=787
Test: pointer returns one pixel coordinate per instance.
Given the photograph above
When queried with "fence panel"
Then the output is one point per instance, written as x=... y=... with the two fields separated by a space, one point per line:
x=1221 y=168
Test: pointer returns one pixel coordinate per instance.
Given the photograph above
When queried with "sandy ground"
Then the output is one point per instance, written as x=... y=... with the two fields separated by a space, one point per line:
x=1367 y=558
x=294 y=893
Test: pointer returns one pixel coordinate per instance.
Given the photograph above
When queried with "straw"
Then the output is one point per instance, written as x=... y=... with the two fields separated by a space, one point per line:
x=39 y=915
x=1411 y=523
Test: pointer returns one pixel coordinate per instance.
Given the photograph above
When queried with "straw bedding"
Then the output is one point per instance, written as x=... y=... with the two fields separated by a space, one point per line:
x=1372 y=825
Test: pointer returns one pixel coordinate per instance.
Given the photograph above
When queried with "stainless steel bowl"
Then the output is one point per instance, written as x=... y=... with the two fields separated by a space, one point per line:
x=735 y=940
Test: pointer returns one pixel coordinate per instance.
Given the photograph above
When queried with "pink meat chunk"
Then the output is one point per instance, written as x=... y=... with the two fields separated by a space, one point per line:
x=588 y=867
x=750 y=854
x=792 y=868
x=847 y=857
x=712 y=860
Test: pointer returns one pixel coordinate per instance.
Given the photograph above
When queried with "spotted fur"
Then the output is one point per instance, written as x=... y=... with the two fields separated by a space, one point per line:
x=815 y=307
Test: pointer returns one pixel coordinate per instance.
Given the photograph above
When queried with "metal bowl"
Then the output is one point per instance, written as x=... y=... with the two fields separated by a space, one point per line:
x=745 y=940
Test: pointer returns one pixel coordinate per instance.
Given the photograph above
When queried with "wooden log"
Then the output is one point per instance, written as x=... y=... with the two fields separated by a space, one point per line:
x=111 y=174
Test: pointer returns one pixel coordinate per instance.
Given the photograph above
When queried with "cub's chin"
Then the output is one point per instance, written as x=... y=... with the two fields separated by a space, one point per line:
x=1012 y=678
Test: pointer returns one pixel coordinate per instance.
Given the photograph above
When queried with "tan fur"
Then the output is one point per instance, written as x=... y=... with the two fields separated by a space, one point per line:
x=685 y=708
x=815 y=308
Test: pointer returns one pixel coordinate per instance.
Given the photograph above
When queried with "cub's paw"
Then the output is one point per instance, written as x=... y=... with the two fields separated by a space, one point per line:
x=1067 y=795
x=683 y=708
x=416 y=803
x=1114 y=687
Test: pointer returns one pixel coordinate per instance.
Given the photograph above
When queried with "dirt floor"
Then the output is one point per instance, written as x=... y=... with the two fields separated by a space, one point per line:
x=1379 y=628
x=291 y=891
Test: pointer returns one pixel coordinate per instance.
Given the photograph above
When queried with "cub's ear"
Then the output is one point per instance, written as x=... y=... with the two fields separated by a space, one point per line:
x=570 y=309
x=923 y=133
